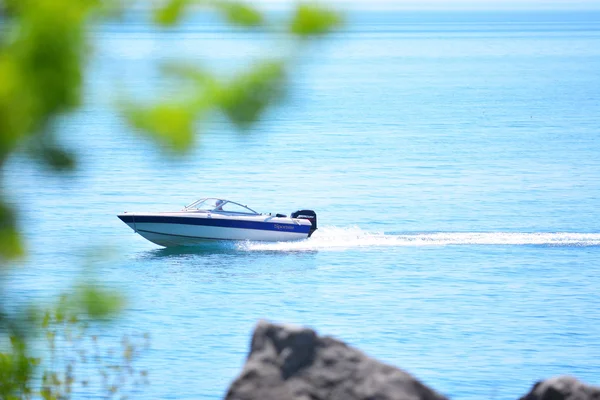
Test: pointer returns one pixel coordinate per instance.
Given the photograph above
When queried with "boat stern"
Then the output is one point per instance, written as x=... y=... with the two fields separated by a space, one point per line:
x=308 y=215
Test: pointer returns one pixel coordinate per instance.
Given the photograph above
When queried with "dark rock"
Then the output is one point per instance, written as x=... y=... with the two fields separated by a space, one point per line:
x=562 y=388
x=289 y=363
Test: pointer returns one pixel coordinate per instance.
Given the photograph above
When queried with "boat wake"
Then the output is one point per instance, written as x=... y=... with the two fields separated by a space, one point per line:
x=334 y=238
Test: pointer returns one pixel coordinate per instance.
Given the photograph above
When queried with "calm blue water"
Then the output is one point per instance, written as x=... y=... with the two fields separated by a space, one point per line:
x=453 y=161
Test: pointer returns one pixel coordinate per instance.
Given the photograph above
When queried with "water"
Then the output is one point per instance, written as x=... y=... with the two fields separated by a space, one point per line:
x=452 y=159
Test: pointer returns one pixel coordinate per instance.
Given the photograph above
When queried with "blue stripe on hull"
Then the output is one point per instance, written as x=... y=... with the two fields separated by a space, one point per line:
x=223 y=223
x=186 y=236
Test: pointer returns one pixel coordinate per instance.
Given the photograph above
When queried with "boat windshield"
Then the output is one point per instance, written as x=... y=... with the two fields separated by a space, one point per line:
x=220 y=205
x=203 y=204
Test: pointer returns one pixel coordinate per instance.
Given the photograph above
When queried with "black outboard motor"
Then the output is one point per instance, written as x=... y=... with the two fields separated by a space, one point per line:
x=309 y=215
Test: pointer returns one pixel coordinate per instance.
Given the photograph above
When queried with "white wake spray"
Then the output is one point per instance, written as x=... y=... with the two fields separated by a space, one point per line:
x=334 y=238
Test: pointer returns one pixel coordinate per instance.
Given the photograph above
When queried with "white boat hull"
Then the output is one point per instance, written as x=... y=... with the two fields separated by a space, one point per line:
x=185 y=229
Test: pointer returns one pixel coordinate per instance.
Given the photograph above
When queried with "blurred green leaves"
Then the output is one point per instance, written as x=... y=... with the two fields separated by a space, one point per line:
x=16 y=370
x=10 y=240
x=166 y=123
x=41 y=69
x=65 y=324
x=72 y=351
x=311 y=20
x=170 y=12
x=238 y=13
x=42 y=56
x=97 y=302
x=43 y=52
x=46 y=55
x=244 y=99
x=88 y=301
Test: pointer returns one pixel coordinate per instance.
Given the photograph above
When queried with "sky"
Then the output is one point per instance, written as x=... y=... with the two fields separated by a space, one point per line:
x=449 y=4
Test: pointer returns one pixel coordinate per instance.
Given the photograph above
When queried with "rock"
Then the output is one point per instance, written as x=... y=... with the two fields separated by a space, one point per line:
x=562 y=388
x=290 y=363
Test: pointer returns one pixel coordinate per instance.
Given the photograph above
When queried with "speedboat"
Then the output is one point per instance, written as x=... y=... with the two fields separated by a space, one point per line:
x=213 y=219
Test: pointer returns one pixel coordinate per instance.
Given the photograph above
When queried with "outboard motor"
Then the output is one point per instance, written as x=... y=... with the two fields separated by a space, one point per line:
x=309 y=215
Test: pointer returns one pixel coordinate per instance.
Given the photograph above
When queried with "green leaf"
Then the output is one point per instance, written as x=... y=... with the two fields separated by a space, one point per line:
x=114 y=9
x=61 y=310
x=171 y=12
x=58 y=158
x=16 y=370
x=10 y=241
x=202 y=79
x=50 y=49
x=11 y=246
x=47 y=394
x=314 y=20
x=167 y=123
x=97 y=302
x=245 y=98
x=15 y=104
x=45 y=148
x=239 y=13
x=46 y=320
x=35 y=361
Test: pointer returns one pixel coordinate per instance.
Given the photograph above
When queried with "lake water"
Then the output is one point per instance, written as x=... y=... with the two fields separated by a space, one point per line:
x=454 y=164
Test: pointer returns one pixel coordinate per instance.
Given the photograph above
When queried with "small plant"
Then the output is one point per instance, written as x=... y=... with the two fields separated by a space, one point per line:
x=72 y=360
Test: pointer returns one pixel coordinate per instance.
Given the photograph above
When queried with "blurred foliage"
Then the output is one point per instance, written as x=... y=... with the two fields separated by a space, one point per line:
x=240 y=14
x=246 y=97
x=16 y=370
x=312 y=20
x=41 y=67
x=43 y=50
x=73 y=358
x=78 y=359
x=10 y=241
x=170 y=124
x=169 y=13
x=242 y=98
x=68 y=342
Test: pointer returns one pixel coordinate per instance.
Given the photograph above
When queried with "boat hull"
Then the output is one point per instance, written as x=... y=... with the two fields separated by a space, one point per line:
x=172 y=229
